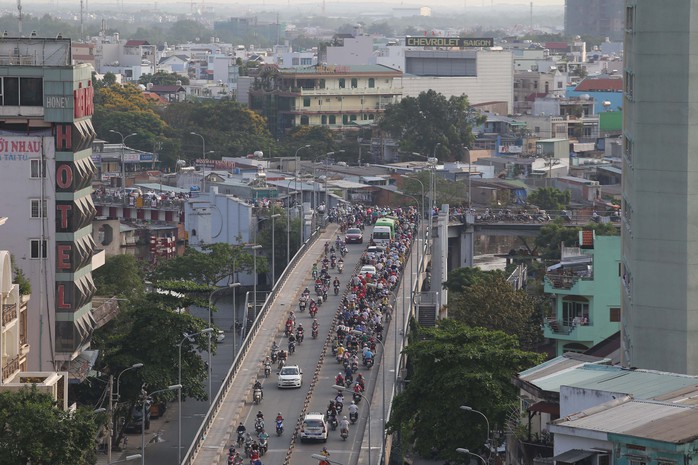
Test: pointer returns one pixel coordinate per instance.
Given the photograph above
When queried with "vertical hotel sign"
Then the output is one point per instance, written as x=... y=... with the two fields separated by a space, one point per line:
x=75 y=214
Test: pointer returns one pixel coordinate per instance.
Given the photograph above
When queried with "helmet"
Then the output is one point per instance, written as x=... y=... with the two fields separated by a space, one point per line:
x=340 y=373
x=314 y=320
x=300 y=325
x=345 y=417
x=353 y=403
x=279 y=414
x=259 y=413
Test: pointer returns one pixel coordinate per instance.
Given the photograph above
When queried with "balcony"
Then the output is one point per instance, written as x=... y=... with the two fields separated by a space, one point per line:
x=9 y=313
x=10 y=369
x=576 y=329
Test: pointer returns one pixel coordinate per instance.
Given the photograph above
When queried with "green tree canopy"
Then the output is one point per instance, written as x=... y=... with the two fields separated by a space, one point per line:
x=121 y=276
x=453 y=365
x=163 y=78
x=35 y=430
x=487 y=300
x=553 y=234
x=431 y=124
x=550 y=198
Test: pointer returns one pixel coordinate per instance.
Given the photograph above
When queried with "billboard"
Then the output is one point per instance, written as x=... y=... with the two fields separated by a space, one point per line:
x=460 y=42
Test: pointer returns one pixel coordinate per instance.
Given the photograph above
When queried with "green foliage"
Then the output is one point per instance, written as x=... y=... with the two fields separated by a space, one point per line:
x=163 y=78
x=320 y=139
x=454 y=365
x=25 y=286
x=557 y=232
x=422 y=122
x=449 y=192
x=550 y=198
x=210 y=266
x=485 y=299
x=121 y=275
x=35 y=430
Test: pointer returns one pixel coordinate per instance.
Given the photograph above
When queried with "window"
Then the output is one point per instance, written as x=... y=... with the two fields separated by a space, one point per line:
x=371 y=83
x=295 y=61
x=629 y=84
x=354 y=83
x=10 y=91
x=345 y=119
x=306 y=101
x=306 y=61
x=629 y=18
x=304 y=120
x=322 y=84
x=614 y=315
x=27 y=92
x=37 y=247
x=37 y=168
x=352 y=118
x=323 y=120
x=559 y=85
x=38 y=208
x=333 y=119
x=574 y=309
x=342 y=83
x=628 y=149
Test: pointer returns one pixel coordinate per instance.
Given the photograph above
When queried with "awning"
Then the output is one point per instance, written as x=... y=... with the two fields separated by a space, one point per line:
x=80 y=366
x=573 y=456
x=545 y=407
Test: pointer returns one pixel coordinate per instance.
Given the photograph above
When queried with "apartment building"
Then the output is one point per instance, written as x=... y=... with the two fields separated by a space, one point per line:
x=338 y=97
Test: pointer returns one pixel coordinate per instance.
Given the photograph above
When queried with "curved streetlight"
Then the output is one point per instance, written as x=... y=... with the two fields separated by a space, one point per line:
x=467 y=452
x=145 y=398
x=123 y=163
x=368 y=410
x=127 y=459
x=111 y=405
x=487 y=422
x=179 y=381
x=203 y=154
x=255 y=248
x=361 y=333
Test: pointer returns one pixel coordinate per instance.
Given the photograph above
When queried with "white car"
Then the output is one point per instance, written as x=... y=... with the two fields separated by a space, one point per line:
x=314 y=427
x=290 y=376
x=366 y=269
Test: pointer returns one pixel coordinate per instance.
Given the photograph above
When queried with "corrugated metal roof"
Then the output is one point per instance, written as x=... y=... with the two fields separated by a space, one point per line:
x=642 y=419
x=558 y=365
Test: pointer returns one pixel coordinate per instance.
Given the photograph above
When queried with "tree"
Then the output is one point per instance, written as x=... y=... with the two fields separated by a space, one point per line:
x=488 y=301
x=163 y=78
x=35 y=430
x=209 y=266
x=550 y=198
x=431 y=124
x=557 y=232
x=453 y=365
x=446 y=192
x=121 y=275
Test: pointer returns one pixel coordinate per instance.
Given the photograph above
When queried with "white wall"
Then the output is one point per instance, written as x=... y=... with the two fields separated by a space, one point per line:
x=573 y=399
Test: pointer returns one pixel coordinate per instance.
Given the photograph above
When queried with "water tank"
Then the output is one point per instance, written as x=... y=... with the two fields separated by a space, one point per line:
x=258 y=154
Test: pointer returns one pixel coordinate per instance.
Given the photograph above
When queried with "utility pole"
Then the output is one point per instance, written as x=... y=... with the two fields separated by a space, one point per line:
x=110 y=409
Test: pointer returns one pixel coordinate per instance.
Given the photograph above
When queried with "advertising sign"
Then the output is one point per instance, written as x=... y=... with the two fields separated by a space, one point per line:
x=460 y=42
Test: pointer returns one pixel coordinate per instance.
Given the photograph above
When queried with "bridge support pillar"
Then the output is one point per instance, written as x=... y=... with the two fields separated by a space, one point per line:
x=467 y=245
x=439 y=256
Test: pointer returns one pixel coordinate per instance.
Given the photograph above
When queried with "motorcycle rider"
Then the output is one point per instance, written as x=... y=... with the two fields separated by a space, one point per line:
x=353 y=410
x=344 y=424
x=241 y=430
x=339 y=379
x=258 y=385
x=315 y=325
x=300 y=332
x=339 y=402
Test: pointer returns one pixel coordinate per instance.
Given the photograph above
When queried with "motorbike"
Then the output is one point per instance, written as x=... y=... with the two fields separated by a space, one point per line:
x=267 y=370
x=336 y=290
x=291 y=347
x=279 y=427
x=259 y=425
x=282 y=363
x=355 y=367
x=301 y=305
x=333 y=263
x=357 y=398
x=340 y=268
x=333 y=422
x=353 y=417
x=313 y=311
x=241 y=439
x=299 y=336
x=344 y=433
x=263 y=446
x=257 y=396
x=368 y=363
x=340 y=407
x=314 y=333
x=274 y=354
x=324 y=295
x=289 y=328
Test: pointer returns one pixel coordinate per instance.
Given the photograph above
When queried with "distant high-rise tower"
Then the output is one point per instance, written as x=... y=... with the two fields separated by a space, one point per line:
x=660 y=186
x=600 y=18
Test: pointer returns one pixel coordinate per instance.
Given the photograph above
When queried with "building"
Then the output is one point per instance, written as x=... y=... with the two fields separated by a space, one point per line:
x=338 y=97
x=47 y=170
x=585 y=292
x=599 y=18
x=660 y=252
x=484 y=75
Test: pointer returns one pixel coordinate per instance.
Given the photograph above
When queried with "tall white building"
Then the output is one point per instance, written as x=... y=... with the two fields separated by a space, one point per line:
x=660 y=186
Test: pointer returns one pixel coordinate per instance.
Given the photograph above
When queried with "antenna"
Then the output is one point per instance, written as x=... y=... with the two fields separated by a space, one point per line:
x=19 y=8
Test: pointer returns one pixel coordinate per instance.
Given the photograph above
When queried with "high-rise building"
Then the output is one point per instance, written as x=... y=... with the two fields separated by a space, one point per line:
x=598 y=18
x=659 y=255
x=46 y=170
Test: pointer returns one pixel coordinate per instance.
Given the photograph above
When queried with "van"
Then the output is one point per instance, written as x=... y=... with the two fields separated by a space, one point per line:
x=381 y=235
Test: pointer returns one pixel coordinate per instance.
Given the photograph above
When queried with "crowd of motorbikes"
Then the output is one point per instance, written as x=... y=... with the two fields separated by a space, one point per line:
x=360 y=325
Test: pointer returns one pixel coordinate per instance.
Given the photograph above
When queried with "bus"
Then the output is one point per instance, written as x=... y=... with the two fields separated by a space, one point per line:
x=389 y=222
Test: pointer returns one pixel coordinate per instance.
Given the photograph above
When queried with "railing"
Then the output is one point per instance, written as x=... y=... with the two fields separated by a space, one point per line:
x=9 y=313
x=106 y=310
x=567 y=326
x=242 y=352
x=10 y=368
x=564 y=281
x=127 y=201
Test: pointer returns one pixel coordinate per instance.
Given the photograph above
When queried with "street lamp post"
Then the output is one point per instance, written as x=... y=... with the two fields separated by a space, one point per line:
x=179 y=381
x=487 y=422
x=123 y=163
x=288 y=223
x=383 y=368
x=433 y=161
x=111 y=405
x=467 y=452
x=255 y=248
x=273 y=248
x=203 y=154
x=343 y=388
x=470 y=175
x=145 y=398
x=235 y=330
